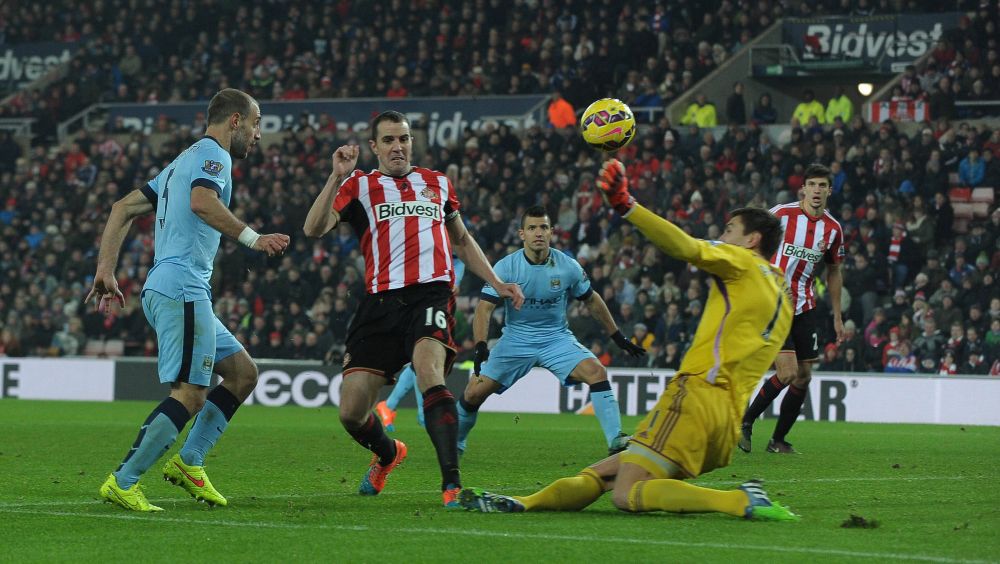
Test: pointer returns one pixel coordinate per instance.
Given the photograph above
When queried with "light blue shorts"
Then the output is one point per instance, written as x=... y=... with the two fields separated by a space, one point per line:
x=190 y=338
x=511 y=359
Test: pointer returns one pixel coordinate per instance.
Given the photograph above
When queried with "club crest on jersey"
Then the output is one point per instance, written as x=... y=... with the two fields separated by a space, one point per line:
x=430 y=194
x=555 y=284
x=803 y=253
x=393 y=210
x=213 y=167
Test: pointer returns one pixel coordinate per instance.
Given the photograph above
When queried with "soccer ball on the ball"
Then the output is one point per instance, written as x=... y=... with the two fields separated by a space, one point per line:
x=607 y=124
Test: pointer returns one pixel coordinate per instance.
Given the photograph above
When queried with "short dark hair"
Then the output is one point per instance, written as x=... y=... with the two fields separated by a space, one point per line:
x=227 y=102
x=816 y=170
x=765 y=223
x=534 y=211
x=388 y=115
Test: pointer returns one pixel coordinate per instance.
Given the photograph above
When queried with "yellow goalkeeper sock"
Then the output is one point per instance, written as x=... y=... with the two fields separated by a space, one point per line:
x=680 y=497
x=566 y=494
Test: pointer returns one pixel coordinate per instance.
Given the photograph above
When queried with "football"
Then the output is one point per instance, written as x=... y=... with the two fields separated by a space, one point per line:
x=607 y=124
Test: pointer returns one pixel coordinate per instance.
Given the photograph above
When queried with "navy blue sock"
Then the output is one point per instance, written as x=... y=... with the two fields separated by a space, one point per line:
x=209 y=425
x=156 y=436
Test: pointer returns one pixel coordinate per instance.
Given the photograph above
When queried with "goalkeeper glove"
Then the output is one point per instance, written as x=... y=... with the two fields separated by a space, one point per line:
x=614 y=187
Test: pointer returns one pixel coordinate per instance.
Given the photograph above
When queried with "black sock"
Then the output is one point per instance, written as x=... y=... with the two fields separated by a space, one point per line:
x=468 y=407
x=441 y=416
x=225 y=401
x=770 y=390
x=791 y=406
x=372 y=436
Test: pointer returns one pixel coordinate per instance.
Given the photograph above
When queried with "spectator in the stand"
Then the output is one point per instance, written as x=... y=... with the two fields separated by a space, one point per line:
x=764 y=112
x=809 y=107
x=736 y=108
x=972 y=170
x=561 y=113
x=974 y=359
x=901 y=359
x=839 y=106
x=942 y=102
x=930 y=344
x=701 y=112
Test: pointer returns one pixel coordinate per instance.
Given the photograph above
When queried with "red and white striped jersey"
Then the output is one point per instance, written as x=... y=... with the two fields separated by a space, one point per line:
x=808 y=240
x=400 y=223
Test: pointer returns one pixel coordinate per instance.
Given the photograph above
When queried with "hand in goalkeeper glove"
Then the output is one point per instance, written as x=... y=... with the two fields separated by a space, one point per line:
x=614 y=187
x=626 y=345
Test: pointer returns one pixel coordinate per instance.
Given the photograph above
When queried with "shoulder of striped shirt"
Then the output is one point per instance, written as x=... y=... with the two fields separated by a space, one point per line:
x=828 y=215
x=781 y=207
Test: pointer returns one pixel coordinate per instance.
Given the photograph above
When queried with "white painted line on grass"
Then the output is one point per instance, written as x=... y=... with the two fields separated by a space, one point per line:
x=154 y=518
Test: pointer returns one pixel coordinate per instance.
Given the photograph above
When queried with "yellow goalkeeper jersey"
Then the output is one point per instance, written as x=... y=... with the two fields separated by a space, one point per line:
x=747 y=316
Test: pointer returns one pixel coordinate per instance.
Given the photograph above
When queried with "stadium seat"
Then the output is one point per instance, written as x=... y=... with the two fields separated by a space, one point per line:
x=94 y=347
x=980 y=210
x=986 y=195
x=963 y=210
x=960 y=194
x=114 y=347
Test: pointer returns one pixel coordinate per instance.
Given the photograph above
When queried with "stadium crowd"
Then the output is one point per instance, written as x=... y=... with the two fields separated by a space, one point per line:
x=920 y=296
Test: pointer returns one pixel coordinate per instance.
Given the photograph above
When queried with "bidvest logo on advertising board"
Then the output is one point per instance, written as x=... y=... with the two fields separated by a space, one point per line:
x=26 y=63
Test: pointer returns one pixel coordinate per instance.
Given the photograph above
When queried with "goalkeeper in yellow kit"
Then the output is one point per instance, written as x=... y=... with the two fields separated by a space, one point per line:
x=695 y=424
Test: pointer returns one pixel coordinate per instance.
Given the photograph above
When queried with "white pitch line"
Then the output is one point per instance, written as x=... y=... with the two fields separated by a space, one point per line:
x=519 y=536
x=731 y=482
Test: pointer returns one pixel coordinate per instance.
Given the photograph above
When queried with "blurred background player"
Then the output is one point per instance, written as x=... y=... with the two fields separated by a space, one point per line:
x=693 y=426
x=812 y=236
x=538 y=334
x=191 y=200
x=407 y=219
x=407 y=379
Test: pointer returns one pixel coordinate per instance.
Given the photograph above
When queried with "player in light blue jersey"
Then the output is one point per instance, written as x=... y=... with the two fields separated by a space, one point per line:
x=191 y=200
x=538 y=335
x=407 y=379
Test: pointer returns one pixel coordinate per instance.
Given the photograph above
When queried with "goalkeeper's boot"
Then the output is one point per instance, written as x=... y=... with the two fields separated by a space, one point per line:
x=374 y=479
x=618 y=444
x=388 y=416
x=475 y=499
x=761 y=508
x=780 y=447
x=450 y=497
x=193 y=480
x=746 y=431
x=132 y=499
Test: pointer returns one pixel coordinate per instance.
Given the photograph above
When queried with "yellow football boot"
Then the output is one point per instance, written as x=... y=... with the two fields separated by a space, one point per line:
x=193 y=479
x=132 y=499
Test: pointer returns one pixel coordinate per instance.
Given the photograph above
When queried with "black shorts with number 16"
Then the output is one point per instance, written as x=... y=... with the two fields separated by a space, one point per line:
x=388 y=324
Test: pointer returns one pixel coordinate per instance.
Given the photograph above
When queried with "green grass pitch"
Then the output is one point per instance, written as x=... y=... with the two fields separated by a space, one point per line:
x=291 y=475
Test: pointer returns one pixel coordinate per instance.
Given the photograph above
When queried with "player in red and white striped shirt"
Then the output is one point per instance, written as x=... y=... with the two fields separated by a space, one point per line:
x=812 y=236
x=407 y=220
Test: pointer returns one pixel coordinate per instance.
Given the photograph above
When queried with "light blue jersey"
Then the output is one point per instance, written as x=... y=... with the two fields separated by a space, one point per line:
x=185 y=246
x=547 y=289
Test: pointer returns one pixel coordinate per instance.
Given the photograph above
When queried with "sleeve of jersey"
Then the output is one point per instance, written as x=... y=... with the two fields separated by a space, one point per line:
x=581 y=289
x=451 y=204
x=835 y=254
x=211 y=169
x=720 y=259
x=347 y=193
x=488 y=292
x=151 y=190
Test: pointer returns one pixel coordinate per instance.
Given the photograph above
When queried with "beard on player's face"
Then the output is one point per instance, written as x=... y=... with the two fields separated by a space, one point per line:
x=239 y=146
